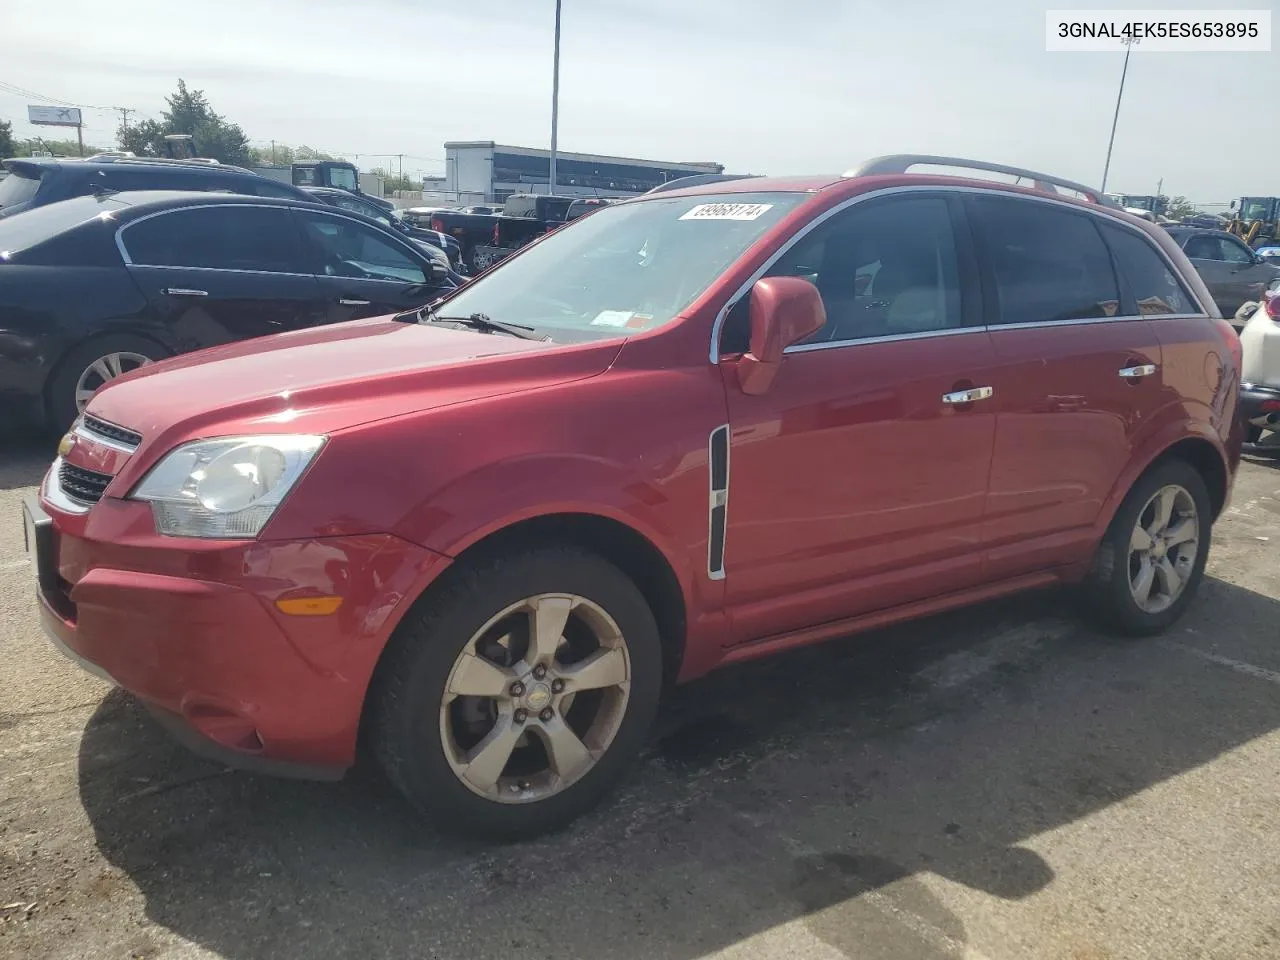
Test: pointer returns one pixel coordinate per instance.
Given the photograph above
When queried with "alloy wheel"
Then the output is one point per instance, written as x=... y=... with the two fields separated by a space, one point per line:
x=535 y=698
x=104 y=369
x=1163 y=548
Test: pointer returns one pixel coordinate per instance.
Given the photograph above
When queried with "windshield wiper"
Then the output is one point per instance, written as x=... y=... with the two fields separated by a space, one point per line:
x=481 y=321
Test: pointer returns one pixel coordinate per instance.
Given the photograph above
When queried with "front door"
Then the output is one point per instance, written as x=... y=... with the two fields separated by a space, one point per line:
x=1079 y=377
x=362 y=271
x=857 y=482
x=220 y=273
x=1230 y=270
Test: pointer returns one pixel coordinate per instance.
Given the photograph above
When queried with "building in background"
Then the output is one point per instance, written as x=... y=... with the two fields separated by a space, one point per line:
x=491 y=172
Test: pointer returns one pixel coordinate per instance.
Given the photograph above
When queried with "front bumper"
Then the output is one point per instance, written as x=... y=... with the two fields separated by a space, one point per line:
x=192 y=629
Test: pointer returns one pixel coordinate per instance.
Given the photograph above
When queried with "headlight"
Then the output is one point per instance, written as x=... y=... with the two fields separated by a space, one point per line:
x=226 y=488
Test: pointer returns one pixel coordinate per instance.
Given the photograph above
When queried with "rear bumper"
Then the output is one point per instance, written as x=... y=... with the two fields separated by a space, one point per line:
x=198 y=638
x=1260 y=407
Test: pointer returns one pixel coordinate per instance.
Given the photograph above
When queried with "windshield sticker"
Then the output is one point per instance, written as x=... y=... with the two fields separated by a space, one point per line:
x=612 y=318
x=639 y=321
x=727 y=211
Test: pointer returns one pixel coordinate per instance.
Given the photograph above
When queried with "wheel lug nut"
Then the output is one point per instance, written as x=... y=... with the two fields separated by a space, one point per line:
x=539 y=671
x=521 y=716
x=517 y=689
x=546 y=715
x=557 y=686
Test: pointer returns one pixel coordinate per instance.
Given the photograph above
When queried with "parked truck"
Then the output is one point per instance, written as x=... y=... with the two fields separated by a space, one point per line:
x=338 y=174
x=1256 y=220
x=488 y=238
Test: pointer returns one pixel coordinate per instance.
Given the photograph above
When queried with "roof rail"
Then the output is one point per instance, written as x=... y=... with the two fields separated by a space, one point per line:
x=697 y=180
x=901 y=162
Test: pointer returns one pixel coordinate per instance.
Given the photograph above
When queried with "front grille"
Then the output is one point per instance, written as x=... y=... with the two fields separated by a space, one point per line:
x=111 y=432
x=85 y=486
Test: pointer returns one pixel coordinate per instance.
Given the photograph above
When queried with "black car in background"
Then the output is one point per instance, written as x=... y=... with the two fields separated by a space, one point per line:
x=358 y=203
x=95 y=286
x=37 y=181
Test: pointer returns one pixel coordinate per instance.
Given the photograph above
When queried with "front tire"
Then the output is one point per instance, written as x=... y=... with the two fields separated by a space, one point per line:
x=1152 y=558
x=515 y=696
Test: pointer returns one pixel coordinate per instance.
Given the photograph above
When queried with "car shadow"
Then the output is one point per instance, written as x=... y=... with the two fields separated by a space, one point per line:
x=821 y=785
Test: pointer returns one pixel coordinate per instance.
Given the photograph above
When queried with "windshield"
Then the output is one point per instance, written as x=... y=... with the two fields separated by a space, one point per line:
x=18 y=188
x=1249 y=210
x=342 y=178
x=31 y=227
x=625 y=269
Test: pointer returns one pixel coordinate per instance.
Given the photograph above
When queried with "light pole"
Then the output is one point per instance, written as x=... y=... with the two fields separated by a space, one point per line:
x=555 y=103
x=1128 y=49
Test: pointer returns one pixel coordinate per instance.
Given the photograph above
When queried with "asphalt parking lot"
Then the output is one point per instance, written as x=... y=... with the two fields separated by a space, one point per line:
x=1001 y=783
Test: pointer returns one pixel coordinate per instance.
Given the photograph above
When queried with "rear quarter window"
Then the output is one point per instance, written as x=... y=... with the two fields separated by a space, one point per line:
x=1155 y=288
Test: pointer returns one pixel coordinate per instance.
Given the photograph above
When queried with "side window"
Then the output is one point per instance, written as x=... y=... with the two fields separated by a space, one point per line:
x=224 y=238
x=1203 y=247
x=1049 y=264
x=350 y=249
x=1153 y=285
x=1235 y=252
x=883 y=269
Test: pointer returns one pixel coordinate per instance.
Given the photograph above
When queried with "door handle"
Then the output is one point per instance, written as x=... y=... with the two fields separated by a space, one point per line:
x=353 y=303
x=1139 y=370
x=184 y=292
x=968 y=396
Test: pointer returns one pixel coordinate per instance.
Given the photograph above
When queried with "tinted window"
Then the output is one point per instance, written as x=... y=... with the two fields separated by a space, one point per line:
x=1153 y=285
x=342 y=177
x=351 y=249
x=18 y=188
x=883 y=269
x=225 y=238
x=1235 y=252
x=1048 y=264
x=306 y=177
x=1207 y=246
x=356 y=205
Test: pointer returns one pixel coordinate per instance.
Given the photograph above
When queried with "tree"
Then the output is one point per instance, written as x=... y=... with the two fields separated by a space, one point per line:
x=394 y=181
x=283 y=154
x=59 y=148
x=7 y=148
x=189 y=112
x=1180 y=207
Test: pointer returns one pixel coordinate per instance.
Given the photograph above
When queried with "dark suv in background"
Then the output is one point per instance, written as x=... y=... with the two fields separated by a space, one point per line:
x=36 y=181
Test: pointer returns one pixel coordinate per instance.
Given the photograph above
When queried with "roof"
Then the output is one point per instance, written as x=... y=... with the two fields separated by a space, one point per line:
x=161 y=198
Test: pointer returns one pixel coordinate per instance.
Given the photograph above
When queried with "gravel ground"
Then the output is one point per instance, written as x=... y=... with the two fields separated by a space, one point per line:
x=1000 y=783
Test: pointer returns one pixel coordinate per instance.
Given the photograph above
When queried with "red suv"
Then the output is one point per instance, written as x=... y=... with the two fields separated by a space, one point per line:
x=694 y=428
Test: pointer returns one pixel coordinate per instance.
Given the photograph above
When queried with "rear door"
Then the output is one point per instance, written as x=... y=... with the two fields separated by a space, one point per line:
x=362 y=271
x=857 y=481
x=217 y=273
x=1079 y=377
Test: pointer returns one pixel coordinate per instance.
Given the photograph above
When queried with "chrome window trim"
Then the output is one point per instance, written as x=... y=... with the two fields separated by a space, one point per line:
x=324 y=210
x=1113 y=215
x=93 y=437
x=258 y=273
x=54 y=494
x=887 y=338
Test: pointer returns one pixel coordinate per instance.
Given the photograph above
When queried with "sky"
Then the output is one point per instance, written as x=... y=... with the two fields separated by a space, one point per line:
x=762 y=86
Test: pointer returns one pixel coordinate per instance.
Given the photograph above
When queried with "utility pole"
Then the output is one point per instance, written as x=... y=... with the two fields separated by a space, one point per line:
x=124 y=116
x=555 y=103
x=80 y=137
x=1128 y=49
x=273 y=153
x=401 y=157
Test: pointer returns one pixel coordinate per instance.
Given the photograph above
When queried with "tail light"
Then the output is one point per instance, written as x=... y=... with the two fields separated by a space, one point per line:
x=495 y=234
x=1272 y=303
x=1271 y=406
x=437 y=224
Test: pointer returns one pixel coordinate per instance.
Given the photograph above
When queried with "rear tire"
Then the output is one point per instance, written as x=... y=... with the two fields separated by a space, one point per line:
x=91 y=364
x=483 y=631
x=1151 y=560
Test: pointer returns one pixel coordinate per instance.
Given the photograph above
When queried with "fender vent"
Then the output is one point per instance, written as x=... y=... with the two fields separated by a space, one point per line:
x=718 y=471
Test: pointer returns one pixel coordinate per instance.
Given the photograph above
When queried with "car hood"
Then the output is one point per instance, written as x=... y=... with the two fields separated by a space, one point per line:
x=325 y=379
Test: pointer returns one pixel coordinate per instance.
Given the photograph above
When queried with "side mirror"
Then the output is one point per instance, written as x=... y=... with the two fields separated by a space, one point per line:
x=437 y=271
x=783 y=311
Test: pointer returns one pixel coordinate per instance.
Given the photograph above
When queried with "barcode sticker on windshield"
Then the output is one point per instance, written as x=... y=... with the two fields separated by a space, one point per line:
x=727 y=211
x=611 y=318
